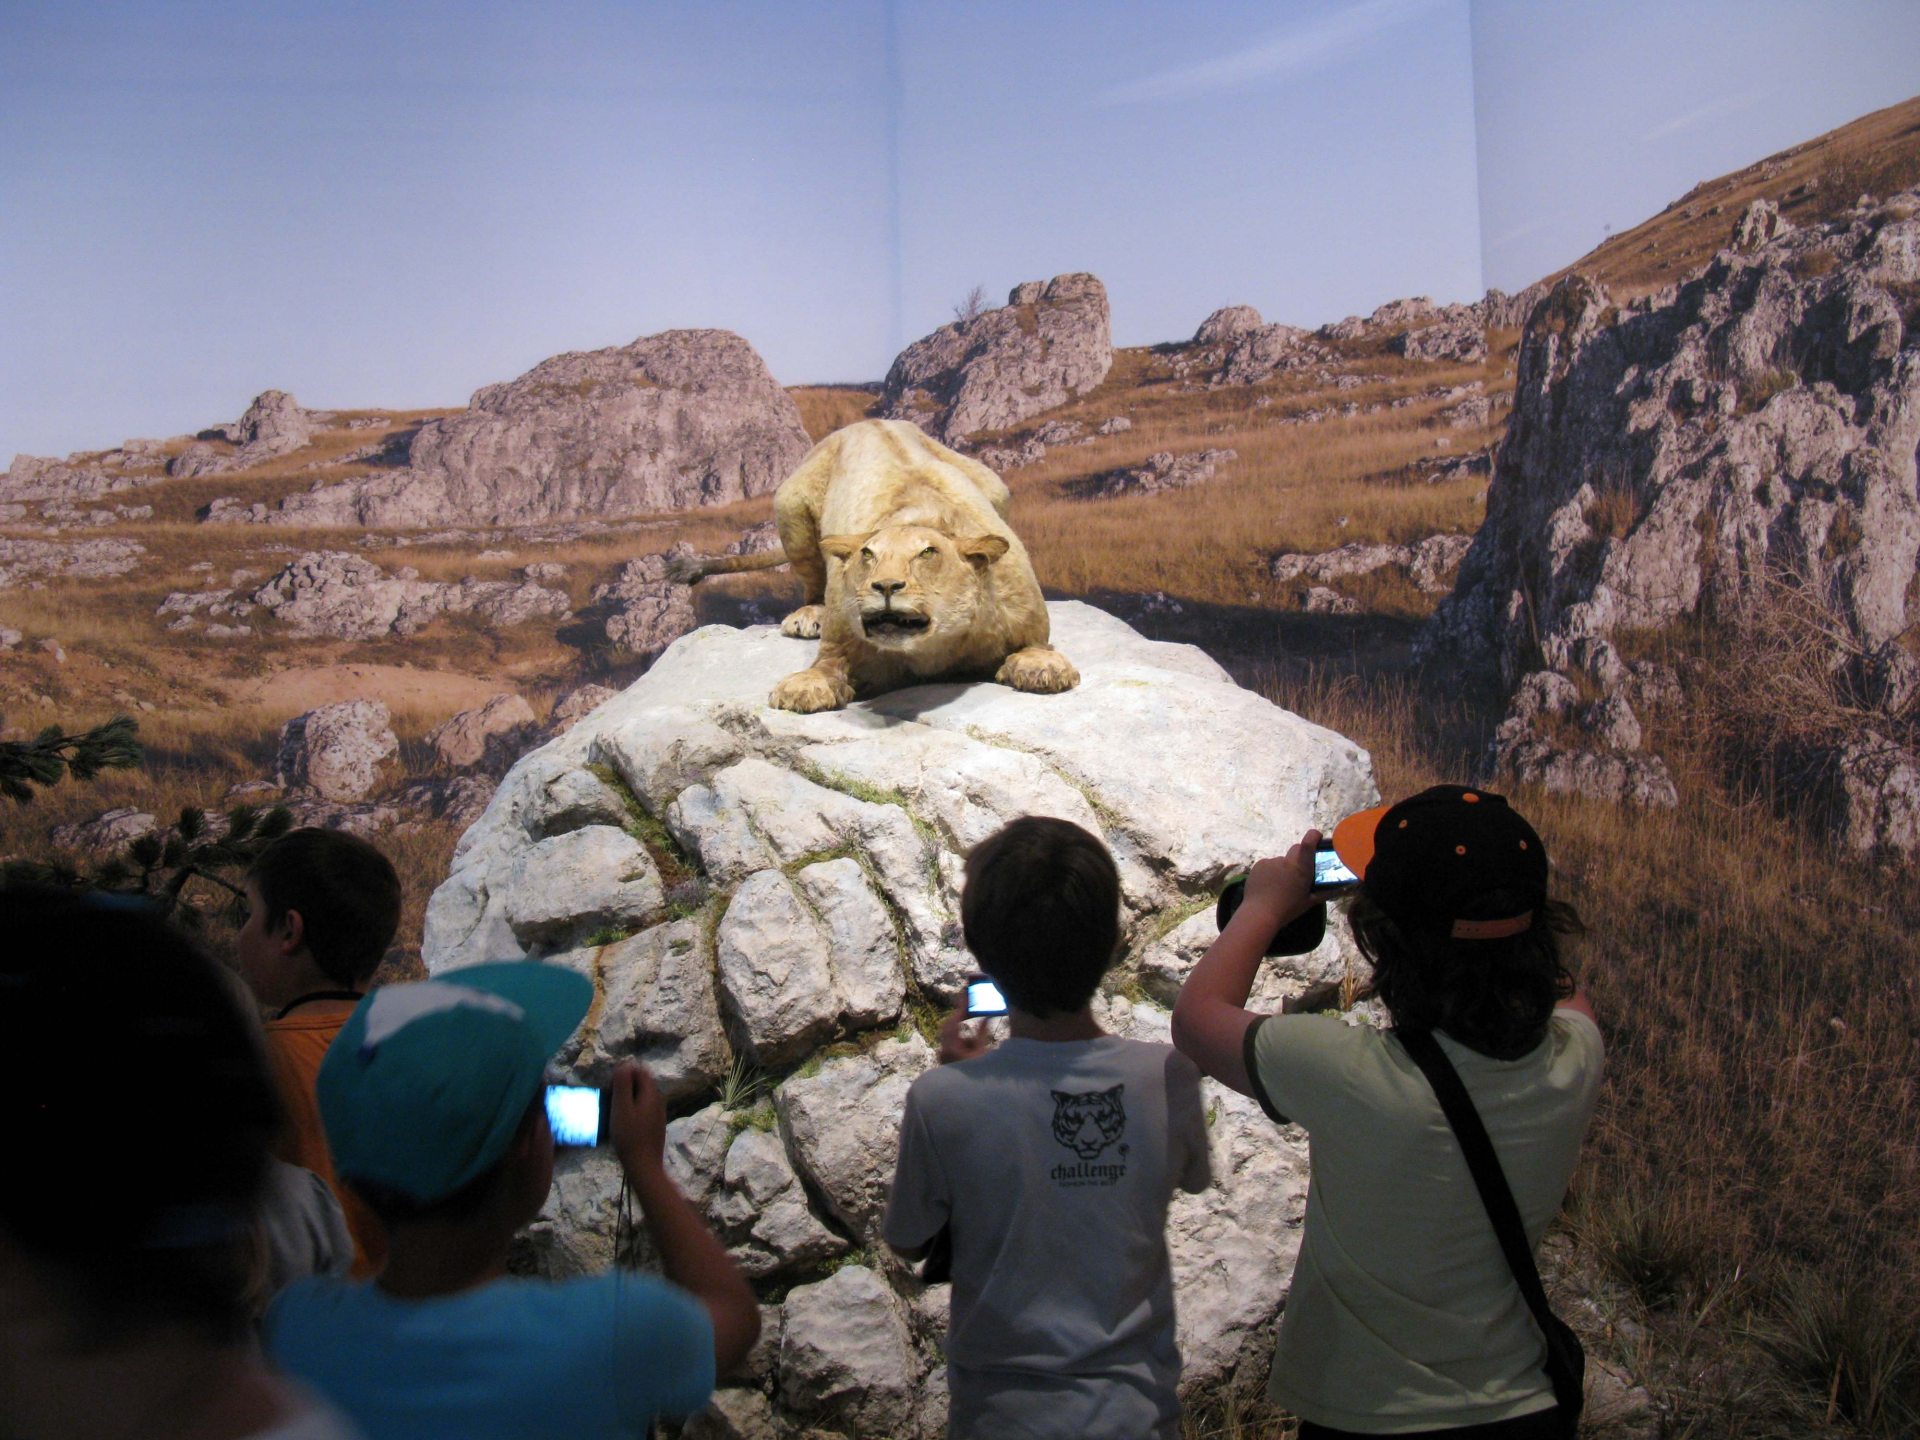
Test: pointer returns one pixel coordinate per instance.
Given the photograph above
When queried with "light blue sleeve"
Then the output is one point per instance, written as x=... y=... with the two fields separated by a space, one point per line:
x=663 y=1341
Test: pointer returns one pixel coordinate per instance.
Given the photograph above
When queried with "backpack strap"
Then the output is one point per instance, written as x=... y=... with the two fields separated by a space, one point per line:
x=1564 y=1371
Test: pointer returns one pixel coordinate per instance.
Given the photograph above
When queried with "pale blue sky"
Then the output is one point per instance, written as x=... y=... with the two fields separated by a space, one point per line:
x=393 y=204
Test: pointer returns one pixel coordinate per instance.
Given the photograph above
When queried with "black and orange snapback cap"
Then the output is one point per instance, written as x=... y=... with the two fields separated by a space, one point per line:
x=1457 y=861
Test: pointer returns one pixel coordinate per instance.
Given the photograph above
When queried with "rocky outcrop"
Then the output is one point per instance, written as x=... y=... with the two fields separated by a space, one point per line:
x=332 y=592
x=1759 y=225
x=1429 y=563
x=108 y=833
x=1420 y=330
x=1047 y=345
x=643 y=609
x=344 y=752
x=31 y=562
x=61 y=485
x=1163 y=471
x=817 y=917
x=1501 y=311
x=273 y=426
x=1227 y=323
x=1261 y=353
x=673 y=421
x=489 y=736
x=1741 y=443
x=1462 y=339
x=576 y=704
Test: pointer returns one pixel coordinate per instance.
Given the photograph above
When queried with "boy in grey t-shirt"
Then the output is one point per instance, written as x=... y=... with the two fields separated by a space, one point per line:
x=1049 y=1162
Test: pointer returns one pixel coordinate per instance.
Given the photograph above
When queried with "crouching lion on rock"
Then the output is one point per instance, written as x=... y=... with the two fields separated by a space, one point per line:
x=909 y=569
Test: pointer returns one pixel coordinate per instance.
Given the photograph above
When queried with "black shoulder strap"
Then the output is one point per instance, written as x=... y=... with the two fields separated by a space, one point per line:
x=1491 y=1181
x=295 y=1004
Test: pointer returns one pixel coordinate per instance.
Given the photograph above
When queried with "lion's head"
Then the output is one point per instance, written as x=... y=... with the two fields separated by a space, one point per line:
x=909 y=588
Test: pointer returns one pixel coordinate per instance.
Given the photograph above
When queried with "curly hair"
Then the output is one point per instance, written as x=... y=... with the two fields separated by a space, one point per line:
x=1493 y=996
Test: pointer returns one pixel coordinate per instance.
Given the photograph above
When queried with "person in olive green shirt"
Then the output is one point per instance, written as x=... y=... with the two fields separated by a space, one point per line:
x=1404 y=1317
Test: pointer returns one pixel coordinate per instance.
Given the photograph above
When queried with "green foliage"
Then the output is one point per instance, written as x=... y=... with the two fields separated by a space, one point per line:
x=859 y=1255
x=745 y=1083
x=164 y=865
x=53 y=753
x=762 y=1117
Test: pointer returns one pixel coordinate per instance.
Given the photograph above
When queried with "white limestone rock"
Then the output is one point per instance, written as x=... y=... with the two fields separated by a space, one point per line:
x=842 y=1125
x=827 y=852
x=500 y=726
x=342 y=752
x=658 y=1007
x=573 y=1234
x=735 y=1415
x=846 y=1355
x=583 y=880
x=763 y=1212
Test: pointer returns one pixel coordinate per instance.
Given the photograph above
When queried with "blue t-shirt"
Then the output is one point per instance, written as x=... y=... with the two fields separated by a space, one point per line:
x=595 y=1356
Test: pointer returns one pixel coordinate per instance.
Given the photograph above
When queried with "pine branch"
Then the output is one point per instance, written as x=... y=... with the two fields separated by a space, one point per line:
x=54 y=753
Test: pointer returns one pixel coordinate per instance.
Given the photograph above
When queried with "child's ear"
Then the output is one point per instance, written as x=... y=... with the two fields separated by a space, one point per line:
x=293 y=931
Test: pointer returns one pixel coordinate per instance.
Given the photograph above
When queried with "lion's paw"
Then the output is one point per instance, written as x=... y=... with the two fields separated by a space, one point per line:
x=804 y=624
x=1038 y=670
x=806 y=691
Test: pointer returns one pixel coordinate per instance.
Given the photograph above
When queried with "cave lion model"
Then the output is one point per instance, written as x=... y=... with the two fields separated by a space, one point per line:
x=909 y=569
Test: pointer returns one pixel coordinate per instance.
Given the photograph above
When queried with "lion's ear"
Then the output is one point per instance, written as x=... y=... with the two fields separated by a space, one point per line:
x=842 y=546
x=982 y=549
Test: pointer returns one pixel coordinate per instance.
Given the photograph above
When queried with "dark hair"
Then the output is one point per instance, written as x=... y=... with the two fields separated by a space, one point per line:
x=1041 y=910
x=1493 y=996
x=397 y=1207
x=137 y=1154
x=346 y=892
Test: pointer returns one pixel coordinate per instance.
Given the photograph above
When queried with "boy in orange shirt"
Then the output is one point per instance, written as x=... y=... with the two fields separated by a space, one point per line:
x=322 y=907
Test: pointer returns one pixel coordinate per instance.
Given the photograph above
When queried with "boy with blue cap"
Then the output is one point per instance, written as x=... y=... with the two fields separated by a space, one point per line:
x=433 y=1100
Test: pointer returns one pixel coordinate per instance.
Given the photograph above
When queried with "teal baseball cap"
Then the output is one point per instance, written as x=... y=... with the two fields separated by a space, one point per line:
x=425 y=1085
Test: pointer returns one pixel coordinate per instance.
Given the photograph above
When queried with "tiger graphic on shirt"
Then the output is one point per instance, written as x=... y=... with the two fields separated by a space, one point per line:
x=1087 y=1124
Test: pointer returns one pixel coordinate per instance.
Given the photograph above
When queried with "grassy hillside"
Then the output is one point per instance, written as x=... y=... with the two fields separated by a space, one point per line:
x=1813 y=181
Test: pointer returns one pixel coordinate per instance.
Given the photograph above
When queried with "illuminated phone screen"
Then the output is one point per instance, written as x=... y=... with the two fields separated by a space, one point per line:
x=984 y=998
x=573 y=1114
x=1329 y=871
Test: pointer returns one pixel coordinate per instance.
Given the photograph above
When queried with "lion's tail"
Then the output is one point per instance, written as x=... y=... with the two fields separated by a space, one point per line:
x=687 y=569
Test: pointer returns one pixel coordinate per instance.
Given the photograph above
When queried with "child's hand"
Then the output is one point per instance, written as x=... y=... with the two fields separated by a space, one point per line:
x=639 y=1117
x=960 y=1041
x=1280 y=888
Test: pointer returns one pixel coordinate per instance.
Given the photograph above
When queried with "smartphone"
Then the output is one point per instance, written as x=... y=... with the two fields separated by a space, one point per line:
x=1330 y=873
x=580 y=1114
x=984 y=997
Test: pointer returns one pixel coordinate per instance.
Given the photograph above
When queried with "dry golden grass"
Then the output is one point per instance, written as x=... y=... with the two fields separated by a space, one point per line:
x=826 y=408
x=1876 y=155
x=1759 y=1131
x=1291 y=487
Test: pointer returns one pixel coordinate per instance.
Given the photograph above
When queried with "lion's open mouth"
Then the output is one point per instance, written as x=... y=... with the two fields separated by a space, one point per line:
x=893 y=622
